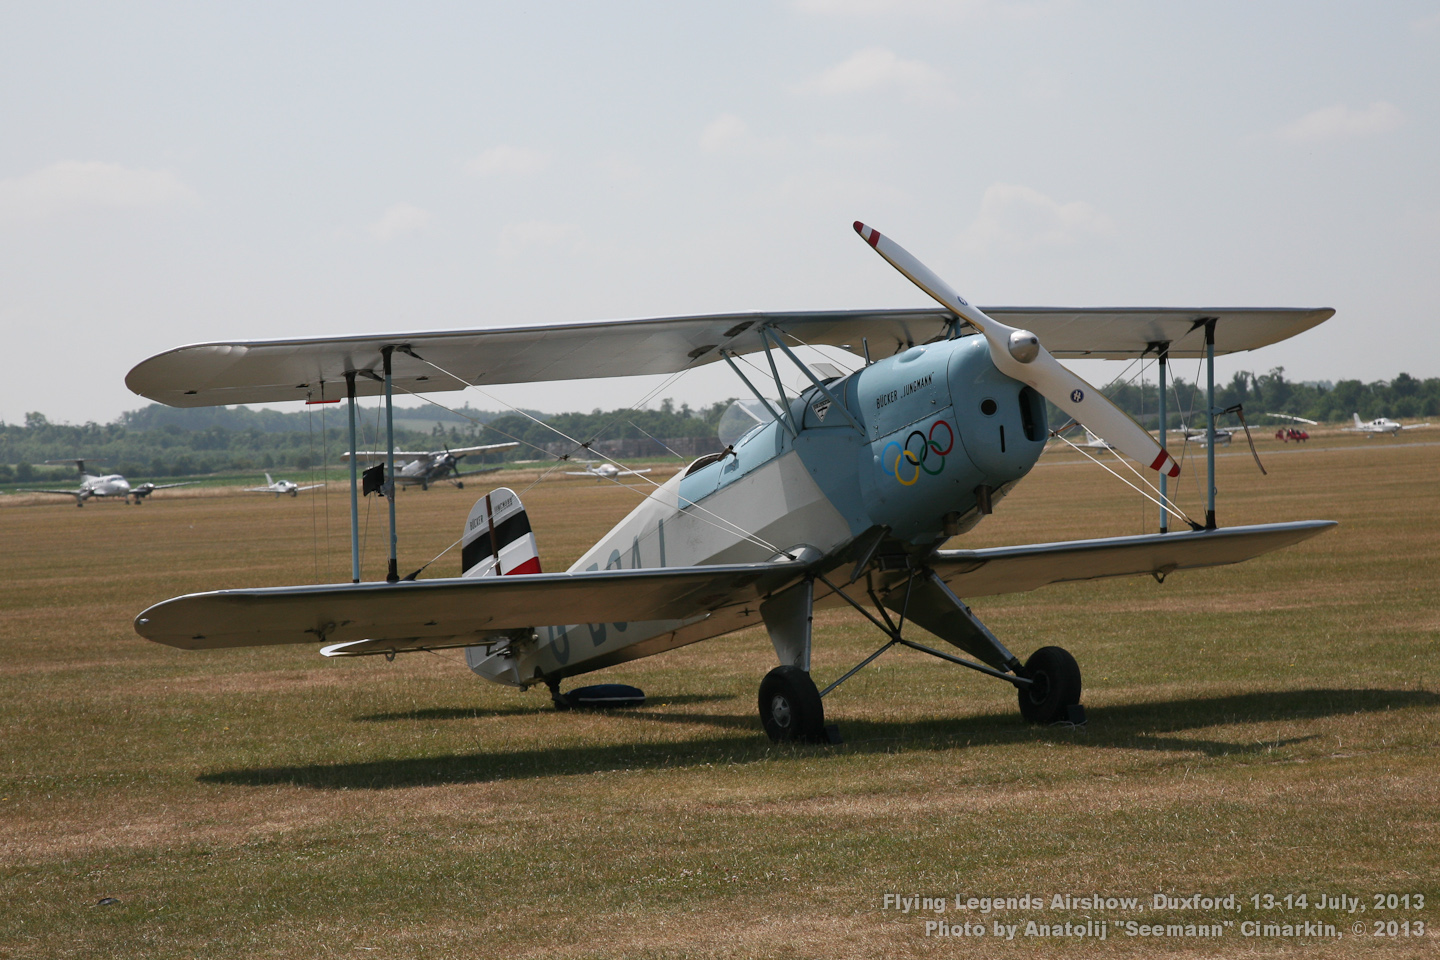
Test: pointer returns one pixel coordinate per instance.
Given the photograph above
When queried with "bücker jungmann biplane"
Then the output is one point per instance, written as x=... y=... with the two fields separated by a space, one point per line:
x=841 y=495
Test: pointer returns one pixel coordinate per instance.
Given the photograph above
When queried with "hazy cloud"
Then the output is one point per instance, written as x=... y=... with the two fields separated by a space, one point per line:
x=879 y=69
x=725 y=133
x=1017 y=219
x=518 y=237
x=507 y=159
x=76 y=185
x=1430 y=23
x=1342 y=122
x=398 y=220
x=936 y=10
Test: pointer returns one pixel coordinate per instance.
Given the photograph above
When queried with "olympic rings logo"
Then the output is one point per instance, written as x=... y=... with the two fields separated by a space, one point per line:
x=908 y=456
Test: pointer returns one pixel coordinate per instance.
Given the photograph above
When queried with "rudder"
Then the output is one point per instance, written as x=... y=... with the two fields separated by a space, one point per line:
x=497 y=540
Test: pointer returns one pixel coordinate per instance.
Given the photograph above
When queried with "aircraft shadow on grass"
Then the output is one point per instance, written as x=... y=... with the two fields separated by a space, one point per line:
x=478 y=713
x=1141 y=726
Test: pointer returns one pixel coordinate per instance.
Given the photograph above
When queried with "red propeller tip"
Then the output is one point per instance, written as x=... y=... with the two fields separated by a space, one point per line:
x=869 y=234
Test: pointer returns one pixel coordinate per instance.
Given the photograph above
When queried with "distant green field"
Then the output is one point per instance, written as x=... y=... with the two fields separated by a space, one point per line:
x=1269 y=728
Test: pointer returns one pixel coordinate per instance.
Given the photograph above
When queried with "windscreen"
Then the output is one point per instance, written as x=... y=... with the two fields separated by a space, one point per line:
x=742 y=417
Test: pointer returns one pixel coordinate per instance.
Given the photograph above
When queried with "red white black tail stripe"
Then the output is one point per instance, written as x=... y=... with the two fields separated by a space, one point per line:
x=497 y=540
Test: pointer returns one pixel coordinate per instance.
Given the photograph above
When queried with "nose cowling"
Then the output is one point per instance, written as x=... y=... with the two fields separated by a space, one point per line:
x=946 y=431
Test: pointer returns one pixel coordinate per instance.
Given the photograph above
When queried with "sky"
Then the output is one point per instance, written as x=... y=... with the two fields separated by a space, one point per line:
x=180 y=173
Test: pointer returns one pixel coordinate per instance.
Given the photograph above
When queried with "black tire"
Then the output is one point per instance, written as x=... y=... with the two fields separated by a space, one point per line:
x=459 y=485
x=1056 y=686
x=790 y=707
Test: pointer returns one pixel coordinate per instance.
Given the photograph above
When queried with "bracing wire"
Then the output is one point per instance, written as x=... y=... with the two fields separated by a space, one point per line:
x=1174 y=511
x=720 y=522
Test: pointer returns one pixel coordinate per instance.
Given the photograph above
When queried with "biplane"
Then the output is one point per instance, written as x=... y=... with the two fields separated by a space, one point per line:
x=844 y=493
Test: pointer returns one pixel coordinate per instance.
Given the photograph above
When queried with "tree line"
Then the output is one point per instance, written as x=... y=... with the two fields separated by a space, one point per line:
x=159 y=441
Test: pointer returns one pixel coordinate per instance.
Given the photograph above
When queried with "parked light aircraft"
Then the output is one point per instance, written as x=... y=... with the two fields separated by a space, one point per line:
x=435 y=466
x=111 y=485
x=278 y=487
x=1380 y=425
x=605 y=471
x=843 y=495
x=1223 y=436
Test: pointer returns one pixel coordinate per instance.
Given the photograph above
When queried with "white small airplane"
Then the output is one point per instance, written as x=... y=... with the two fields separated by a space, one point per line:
x=278 y=487
x=109 y=486
x=844 y=495
x=1380 y=425
x=434 y=466
x=605 y=471
x=1223 y=436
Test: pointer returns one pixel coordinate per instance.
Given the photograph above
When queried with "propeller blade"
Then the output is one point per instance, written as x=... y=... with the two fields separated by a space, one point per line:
x=1020 y=355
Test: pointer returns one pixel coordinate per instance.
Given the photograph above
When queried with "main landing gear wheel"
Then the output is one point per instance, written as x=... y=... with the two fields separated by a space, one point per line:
x=790 y=706
x=1056 y=686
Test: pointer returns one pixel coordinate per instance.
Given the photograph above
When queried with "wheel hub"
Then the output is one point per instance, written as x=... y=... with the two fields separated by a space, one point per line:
x=780 y=711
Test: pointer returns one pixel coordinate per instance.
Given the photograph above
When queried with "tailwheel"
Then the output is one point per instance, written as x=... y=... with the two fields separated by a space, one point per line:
x=790 y=706
x=1056 y=686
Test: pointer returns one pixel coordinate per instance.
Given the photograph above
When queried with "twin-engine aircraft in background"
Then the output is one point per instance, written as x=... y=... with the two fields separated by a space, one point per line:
x=435 y=466
x=279 y=487
x=844 y=494
x=110 y=486
x=1380 y=425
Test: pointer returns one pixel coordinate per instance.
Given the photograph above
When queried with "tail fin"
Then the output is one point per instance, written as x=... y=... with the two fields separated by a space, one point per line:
x=497 y=540
x=268 y=481
x=1357 y=419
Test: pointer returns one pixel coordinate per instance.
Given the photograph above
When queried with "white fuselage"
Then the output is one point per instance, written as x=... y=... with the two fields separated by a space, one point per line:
x=774 y=507
x=1380 y=425
x=113 y=485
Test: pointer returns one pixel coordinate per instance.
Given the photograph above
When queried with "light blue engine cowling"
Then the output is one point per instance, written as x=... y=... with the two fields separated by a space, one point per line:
x=943 y=429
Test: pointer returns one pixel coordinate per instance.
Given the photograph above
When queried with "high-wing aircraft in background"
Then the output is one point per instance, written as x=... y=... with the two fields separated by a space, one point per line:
x=435 y=466
x=605 y=471
x=279 y=487
x=1380 y=425
x=111 y=485
x=844 y=494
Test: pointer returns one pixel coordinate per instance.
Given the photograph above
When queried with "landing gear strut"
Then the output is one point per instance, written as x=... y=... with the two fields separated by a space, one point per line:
x=791 y=708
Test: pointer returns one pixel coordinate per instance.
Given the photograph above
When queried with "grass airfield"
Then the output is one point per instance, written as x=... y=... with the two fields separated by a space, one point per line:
x=1264 y=728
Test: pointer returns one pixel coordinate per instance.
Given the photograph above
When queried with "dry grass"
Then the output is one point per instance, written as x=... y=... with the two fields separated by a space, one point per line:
x=1263 y=728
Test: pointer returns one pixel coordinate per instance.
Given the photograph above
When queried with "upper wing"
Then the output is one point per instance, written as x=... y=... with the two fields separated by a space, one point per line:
x=385 y=453
x=264 y=371
x=310 y=486
x=259 y=490
x=1414 y=426
x=632 y=473
x=466 y=451
x=167 y=486
x=63 y=493
x=450 y=611
x=995 y=570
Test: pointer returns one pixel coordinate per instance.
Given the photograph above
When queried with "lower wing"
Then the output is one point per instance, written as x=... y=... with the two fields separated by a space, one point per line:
x=996 y=570
x=454 y=611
